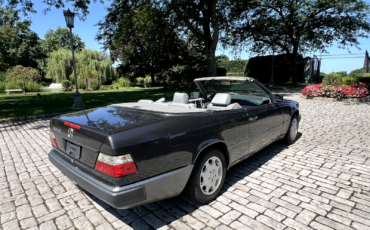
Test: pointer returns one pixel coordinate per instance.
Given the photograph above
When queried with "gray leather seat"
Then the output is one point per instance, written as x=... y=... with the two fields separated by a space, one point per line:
x=181 y=100
x=221 y=101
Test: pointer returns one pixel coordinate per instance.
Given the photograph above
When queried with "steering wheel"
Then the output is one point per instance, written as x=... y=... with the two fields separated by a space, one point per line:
x=210 y=96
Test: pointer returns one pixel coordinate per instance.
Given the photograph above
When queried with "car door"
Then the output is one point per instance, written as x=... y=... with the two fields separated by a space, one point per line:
x=235 y=132
x=265 y=125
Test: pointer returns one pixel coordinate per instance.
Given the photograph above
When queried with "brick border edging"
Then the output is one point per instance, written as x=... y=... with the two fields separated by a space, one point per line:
x=329 y=99
x=33 y=117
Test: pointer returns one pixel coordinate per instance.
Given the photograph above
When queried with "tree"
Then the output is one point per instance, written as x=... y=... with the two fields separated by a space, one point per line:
x=204 y=21
x=60 y=38
x=298 y=26
x=222 y=58
x=143 y=37
x=23 y=74
x=60 y=65
x=18 y=43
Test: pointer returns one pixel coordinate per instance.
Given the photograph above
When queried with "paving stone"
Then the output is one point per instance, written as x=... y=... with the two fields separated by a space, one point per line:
x=82 y=223
x=7 y=207
x=270 y=222
x=192 y=222
x=238 y=225
x=253 y=224
x=6 y=217
x=39 y=210
x=305 y=217
x=229 y=217
x=223 y=227
x=48 y=226
x=343 y=193
x=295 y=224
x=319 y=226
x=23 y=212
x=178 y=225
x=95 y=217
x=28 y=223
x=63 y=222
x=105 y=226
x=332 y=224
x=11 y=225
x=221 y=207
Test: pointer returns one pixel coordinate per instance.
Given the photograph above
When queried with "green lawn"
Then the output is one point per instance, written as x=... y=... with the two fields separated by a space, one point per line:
x=19 y=105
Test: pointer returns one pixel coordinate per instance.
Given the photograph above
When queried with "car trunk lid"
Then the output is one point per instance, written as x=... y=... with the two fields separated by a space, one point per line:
x=88 y=129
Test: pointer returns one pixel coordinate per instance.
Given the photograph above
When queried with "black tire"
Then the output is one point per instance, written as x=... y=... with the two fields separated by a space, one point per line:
x=193 y=189
x=288 y=137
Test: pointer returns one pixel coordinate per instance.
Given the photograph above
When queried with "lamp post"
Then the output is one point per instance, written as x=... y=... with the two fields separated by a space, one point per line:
x=272 y=68
x=70 y=18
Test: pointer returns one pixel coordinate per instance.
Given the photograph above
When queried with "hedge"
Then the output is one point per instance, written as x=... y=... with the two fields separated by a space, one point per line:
x=260 y=68
x=235 y=66
x=351 y=80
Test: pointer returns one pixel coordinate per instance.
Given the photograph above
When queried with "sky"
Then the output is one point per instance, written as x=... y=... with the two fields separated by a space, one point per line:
x=87 y=30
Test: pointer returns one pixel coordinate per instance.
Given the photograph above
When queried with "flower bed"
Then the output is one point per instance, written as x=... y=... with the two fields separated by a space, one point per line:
x=355 y=90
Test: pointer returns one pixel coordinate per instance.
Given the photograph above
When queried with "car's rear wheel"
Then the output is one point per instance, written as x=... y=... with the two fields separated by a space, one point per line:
x=207 y=178
x=291 y=135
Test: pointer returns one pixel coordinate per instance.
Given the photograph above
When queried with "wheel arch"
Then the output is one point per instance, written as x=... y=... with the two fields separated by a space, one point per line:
x=295 y=112
x=221 y=145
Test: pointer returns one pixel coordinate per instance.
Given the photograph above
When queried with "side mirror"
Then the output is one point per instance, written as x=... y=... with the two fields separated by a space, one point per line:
x=279 y=98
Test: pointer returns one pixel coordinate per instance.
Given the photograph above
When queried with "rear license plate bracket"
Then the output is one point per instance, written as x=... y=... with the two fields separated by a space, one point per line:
x=76 y=150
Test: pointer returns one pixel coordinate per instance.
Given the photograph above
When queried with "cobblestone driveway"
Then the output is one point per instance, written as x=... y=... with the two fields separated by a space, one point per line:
x=320 y=182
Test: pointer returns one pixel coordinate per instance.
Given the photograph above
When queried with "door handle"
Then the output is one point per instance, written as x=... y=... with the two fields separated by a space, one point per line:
x=253 y=118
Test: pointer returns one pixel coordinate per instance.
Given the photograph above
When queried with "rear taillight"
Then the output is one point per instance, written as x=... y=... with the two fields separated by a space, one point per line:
x=53 y=140
x=116 y=166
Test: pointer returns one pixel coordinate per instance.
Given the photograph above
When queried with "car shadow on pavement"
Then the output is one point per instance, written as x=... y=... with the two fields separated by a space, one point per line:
x=158 y=214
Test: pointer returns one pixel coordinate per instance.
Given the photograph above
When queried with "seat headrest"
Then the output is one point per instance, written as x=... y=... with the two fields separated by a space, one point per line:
x=221 y=99
x=181 y=98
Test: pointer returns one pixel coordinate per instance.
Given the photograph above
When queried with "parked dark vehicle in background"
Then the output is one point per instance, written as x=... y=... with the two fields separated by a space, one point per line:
x=131 y=154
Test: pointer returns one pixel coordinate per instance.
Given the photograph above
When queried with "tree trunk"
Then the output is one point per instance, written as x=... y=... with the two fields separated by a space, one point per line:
x=24 y=88
x=152 y=76
x=211 y=60
x=293 y=73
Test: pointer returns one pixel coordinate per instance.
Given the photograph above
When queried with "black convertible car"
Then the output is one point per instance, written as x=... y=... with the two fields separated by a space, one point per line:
x=130 y=154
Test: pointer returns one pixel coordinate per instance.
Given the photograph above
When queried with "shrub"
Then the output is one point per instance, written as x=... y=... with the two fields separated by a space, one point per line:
x=140 y=80
x=147 y=80
x=234 y=74
x=30 y=86
x=2 y=77
x=33 y=87
x=354 y=90
x=94 y=83
x=236 y=66
x=66 y=85
x=120 y=83
x=352 y=80
x=332 y=79
x=81 y=84
x=2 y=87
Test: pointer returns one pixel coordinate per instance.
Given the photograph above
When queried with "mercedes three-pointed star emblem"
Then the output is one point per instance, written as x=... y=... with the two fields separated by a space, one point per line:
x=70 y=132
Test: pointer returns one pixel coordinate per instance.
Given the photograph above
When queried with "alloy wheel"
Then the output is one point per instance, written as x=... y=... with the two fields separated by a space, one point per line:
x=211 y=175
